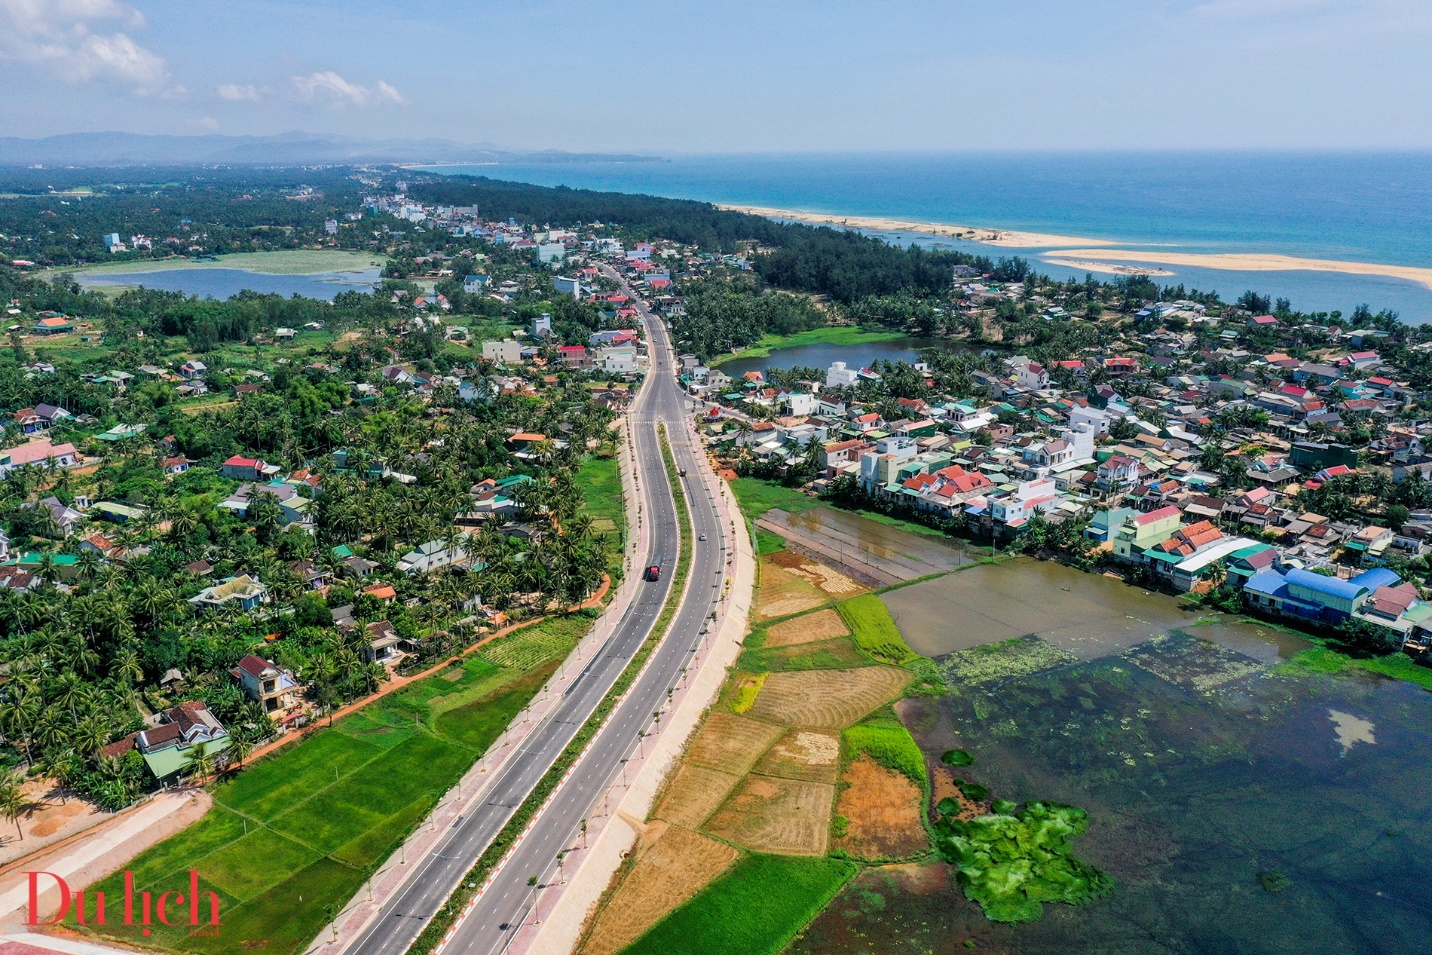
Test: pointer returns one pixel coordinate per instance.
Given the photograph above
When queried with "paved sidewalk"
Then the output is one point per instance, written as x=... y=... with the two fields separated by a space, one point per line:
x=471 y=790
x=30 y=943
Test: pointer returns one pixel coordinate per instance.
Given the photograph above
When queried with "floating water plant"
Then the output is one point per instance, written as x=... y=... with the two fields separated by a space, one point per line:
x=974 y=792
x=1010 y=863
x=956 y=757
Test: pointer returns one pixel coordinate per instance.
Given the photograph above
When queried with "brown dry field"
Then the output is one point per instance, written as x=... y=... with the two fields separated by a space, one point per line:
x=666 y=874
x=821 y=625
x=827 y=699
x=783 y=593
x=731 y=743
x=883 y=812
x=693 y=794
x=828 y=580
x=785 y=816
x=814 y=757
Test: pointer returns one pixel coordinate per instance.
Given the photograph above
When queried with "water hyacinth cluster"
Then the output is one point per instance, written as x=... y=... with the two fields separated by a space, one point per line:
x=1011 y=861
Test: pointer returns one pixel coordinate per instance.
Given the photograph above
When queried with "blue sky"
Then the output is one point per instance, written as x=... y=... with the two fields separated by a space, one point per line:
x=725 y=76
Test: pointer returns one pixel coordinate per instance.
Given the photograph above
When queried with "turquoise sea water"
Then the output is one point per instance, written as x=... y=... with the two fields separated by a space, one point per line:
x=1358 y=207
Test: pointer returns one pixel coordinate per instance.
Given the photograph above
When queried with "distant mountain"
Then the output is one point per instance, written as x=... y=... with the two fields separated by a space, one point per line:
x=134 y=149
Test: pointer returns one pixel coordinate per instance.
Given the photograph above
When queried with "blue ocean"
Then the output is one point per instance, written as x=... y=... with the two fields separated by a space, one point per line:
x=1361 y=207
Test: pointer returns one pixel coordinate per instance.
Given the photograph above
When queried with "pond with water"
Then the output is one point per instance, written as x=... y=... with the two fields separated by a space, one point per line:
x=820 y=356
x=1243 y=805
x=221 y=283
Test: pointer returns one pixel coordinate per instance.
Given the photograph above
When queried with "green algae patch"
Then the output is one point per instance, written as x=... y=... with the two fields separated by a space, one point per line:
x=1006 y=660
x=1011 y=863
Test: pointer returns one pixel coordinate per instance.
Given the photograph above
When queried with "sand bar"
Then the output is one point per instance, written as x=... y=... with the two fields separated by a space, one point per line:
x=1253 y=262
x=1001 y=237
x=1106 y=268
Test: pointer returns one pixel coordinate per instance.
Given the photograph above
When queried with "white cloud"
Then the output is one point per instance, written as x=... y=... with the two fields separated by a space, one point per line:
x=205 y=122
x=75 y=40
x=234 y=93
x=328 y=88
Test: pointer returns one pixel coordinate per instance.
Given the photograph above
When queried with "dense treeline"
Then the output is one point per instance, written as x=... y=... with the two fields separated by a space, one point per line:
x=723 y=316
x=217 y=211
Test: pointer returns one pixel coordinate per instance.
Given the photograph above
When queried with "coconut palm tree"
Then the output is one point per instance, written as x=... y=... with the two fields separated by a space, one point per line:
x=201 y=766
x=240 y=747
x=13 y=803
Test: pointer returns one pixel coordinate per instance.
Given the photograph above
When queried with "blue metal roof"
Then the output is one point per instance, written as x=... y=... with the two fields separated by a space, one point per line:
x=1376 y=577
x=1331 y=586
x=1268 y=583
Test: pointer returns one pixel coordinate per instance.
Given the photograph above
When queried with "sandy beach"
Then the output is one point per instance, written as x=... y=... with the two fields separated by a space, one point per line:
x=1000 y=237
x=1106 y=268
x=1246 y=262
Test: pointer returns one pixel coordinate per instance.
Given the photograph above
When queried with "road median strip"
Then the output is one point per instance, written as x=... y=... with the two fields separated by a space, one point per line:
x=442 y=925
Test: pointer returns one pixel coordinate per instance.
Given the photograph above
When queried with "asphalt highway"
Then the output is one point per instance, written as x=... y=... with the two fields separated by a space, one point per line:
x=508 y=900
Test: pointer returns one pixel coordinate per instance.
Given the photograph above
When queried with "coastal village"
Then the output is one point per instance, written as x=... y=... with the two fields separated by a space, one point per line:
x=1133 y=449
x=347 y=502
x=1127 y=449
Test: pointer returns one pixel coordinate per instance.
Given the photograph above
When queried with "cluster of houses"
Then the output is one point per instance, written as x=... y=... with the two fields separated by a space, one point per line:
x=1028 y=448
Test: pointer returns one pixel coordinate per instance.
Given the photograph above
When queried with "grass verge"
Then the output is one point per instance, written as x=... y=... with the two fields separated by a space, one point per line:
x=600 y=482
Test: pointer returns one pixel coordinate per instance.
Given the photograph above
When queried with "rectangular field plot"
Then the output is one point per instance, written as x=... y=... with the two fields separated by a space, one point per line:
x=782 y=816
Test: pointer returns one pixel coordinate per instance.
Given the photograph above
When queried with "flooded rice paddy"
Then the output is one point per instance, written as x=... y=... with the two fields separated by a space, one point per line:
x=879 y=552
x=1243 y=806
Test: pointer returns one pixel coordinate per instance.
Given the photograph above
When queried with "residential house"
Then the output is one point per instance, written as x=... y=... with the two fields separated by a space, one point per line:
x=574 y=356
x=52 y=326
x=247 y=469
x=244 y=592
x=42 y=417
x=839 y=376
x=1116 y=473
x=434 y=555
x=293 y=505
x=1142 y=531
x=39 y=453
x=66 y=518
x=506 y=352
x=384 y=645
x=177 y=735
x=268 y=684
